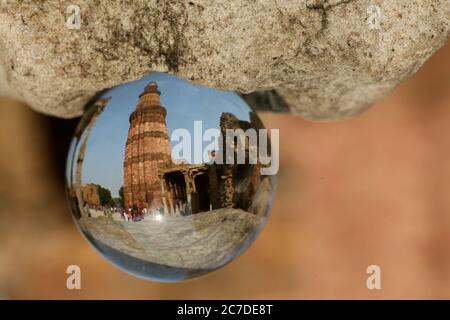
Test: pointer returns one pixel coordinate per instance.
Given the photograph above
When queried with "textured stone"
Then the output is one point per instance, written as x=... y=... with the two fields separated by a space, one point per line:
x=147 y=147
x=321 y=56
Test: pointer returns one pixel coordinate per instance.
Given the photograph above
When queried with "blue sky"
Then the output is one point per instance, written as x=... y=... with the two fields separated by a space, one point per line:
x=185 y=103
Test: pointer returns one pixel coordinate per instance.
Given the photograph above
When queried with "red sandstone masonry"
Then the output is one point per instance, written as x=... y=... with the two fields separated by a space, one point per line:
x=147 y=146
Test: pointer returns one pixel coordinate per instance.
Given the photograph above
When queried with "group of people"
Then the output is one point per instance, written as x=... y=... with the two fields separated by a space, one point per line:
x=133 y=214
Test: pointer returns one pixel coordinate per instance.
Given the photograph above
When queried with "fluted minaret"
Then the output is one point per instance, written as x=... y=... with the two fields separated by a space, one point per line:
x=147 y=147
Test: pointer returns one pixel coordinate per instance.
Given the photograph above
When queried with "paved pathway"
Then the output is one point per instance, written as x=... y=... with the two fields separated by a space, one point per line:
x=204 y=240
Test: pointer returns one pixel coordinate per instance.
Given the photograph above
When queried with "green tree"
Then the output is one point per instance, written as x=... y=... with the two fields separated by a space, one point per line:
x=122 y=198
x=105 y=196
x=117 y=202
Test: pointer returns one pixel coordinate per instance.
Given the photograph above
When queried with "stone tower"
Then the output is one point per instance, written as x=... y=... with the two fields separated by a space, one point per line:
x=147 y=147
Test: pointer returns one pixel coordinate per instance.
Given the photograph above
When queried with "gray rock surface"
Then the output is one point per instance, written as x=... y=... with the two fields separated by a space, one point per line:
x=327 y=58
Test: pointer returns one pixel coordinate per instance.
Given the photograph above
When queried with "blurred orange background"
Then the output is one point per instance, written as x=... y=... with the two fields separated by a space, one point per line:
x=369 y=190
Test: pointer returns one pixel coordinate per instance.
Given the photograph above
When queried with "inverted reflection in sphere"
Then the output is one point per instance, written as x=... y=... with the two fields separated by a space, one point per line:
x=156 y=186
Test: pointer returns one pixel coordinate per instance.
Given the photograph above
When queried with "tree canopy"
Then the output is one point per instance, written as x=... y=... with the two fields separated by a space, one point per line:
x=104 y=196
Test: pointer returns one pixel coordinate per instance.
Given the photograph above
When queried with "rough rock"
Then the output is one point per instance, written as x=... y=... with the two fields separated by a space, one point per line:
x=326 y=58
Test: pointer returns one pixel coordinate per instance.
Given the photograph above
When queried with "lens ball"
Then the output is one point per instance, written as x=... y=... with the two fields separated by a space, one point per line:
x=170 y=180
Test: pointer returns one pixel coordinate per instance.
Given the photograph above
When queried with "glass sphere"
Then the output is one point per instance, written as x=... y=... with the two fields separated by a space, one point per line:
x=162 y=181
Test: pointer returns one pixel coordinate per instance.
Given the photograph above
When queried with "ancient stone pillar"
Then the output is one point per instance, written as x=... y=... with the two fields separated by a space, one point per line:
x=147 y=147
